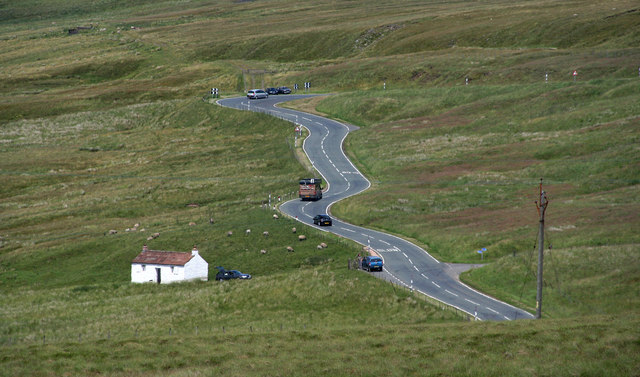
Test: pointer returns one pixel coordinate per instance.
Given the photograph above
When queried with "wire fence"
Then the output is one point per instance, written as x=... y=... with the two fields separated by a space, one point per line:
x=356 y=264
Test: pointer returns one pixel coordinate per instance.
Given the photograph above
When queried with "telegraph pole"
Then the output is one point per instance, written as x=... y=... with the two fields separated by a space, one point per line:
x=541 y=205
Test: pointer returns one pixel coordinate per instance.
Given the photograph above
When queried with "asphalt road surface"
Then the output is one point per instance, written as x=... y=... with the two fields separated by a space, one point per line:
x=403 y=261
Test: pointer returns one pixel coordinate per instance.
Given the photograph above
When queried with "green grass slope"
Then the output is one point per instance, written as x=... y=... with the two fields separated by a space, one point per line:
x=106 y=128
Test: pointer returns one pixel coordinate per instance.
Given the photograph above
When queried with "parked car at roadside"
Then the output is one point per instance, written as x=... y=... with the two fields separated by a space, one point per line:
x=257 y=94
x=224 y=274
x=284 y=90
x=372 y=263
x=272 y=91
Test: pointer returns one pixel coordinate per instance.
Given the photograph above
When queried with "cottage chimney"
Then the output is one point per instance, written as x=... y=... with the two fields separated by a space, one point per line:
x=194 y=252
x=145 y=248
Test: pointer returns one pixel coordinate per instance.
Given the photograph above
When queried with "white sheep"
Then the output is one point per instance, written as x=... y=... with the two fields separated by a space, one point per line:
x=265 y=233
x=293 y=230
x=275 y=216
x=302 y=237
x=247 y=232
x=290 y=249
x=229 y=233
x=263 y=251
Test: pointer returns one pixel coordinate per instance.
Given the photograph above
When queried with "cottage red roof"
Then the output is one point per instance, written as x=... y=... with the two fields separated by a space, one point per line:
x=163 y=257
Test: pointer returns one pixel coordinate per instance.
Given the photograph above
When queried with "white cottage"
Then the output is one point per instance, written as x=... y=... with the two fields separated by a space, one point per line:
x=168 y=267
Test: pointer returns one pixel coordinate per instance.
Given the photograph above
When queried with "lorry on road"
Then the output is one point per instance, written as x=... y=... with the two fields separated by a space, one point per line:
x=310 y=188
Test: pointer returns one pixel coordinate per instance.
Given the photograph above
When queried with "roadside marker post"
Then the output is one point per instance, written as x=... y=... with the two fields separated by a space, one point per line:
x=575 y=75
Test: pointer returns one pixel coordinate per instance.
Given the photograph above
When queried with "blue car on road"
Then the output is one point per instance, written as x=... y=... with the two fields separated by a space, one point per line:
x=372 y=263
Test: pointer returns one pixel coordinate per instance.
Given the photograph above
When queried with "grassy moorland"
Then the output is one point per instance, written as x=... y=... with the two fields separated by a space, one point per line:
x=106 y=128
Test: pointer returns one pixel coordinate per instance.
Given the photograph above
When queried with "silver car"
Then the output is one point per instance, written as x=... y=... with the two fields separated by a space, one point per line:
x=257 y=94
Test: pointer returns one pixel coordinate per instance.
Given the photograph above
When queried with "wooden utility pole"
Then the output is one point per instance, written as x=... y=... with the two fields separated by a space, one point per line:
x=542 y=207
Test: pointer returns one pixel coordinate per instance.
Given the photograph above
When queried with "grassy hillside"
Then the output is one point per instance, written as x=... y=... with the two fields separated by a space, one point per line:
x=106 y=128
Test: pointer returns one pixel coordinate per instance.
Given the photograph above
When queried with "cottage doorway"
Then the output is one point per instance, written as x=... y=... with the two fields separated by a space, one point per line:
x=158 y=275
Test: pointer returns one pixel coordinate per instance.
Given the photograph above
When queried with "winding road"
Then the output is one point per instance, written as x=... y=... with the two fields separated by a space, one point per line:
x=407 y=263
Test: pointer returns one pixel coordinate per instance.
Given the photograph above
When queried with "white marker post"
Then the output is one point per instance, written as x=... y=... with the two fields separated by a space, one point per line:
x=575 y=75
x=546 y=78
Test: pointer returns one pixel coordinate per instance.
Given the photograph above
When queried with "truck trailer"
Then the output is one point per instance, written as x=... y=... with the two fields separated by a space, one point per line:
x=311 y=189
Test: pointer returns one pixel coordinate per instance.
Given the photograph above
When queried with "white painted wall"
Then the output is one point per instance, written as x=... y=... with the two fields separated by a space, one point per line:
x=196 y=269
x=141 y=273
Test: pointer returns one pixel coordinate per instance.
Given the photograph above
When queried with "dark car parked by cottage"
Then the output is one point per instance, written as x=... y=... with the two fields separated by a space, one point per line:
x=272 y=91
x=230 y=274
x=283 y=90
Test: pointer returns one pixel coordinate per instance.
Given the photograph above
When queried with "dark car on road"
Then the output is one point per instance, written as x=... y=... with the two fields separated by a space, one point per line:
x=322 y=220
x=230 y=274
x=372 y=263
x=283 y=90
x=272 y=91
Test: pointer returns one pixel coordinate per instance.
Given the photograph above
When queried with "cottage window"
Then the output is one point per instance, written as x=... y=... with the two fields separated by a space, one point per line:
x=143 y=267
x=171 y=269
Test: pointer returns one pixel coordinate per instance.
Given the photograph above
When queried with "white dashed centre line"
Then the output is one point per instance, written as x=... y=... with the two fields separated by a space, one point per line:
x=434 y=283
